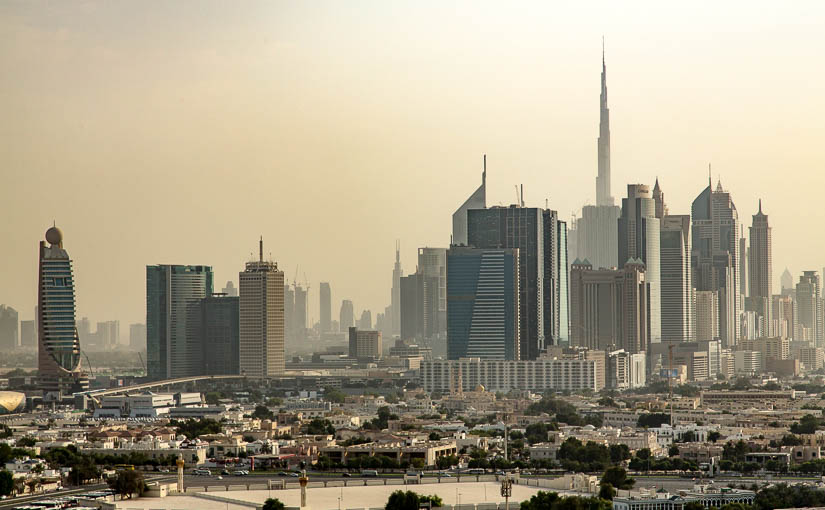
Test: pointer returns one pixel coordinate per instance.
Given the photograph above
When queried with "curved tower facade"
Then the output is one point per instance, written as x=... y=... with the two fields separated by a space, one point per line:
x=58 y=357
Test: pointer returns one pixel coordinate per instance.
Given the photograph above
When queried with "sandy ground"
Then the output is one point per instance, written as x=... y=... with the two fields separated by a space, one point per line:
x=333 y=498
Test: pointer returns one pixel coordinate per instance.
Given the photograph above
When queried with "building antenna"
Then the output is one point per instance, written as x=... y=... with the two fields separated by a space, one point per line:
x=261 y=249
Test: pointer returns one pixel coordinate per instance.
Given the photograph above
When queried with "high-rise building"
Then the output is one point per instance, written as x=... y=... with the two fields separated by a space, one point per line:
x=715 y=256
x=419 y=306
x=783 y=316
x=262 y=330
x=478 y=200
x=220 y=333
x=58 y=357
x=84 y=333
x=564 y=285
x=761 y=268
x=594 y=234
x=675 y=275
x=173 y=341
x=325 y=306
x=107 y=335
x=230 y=290
x=432 y=262
x=9 y=321
x=364 y=345
x=365 y=322
x=395 y=297
x=639 y=231
x=707 y=315
x=483 y=303
x=809 y=309
x=299 y=323
x=609 y=308
x=521 y=228
x=28 y=334
x=786 y=281
x=555 y=272
x=659 y=200
x=137 y=336
x=346 y=316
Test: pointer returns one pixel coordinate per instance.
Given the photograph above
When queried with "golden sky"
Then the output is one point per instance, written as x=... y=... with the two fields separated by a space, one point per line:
x=178 y=132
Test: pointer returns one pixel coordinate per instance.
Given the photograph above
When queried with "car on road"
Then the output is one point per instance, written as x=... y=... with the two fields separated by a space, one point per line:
x=346 y=475
x=241 y=472
x=283 y=473
x=202 y=471
x=295 y=475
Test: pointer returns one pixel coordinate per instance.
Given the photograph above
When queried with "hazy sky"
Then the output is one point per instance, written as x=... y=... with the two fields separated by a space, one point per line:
x=178 y=132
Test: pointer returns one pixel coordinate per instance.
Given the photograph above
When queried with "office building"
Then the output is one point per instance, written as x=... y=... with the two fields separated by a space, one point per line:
x=761 y=267
x=419 y=306
x=809 y=309
x=58 y=359
x=543 y=374
x=707 y=315
x=220 y=334
x=289 y=310
x=262 y=329
x=786 y=281
x=432 y=262
x=555 y=293
x=703 y=358
x=28 y=334
x=564 y=285
x=519 y=228
x=483 y=303
x=676 y=286
x=639 y=231
x=230 y=290
x=783 y=316
x=300 y=313
x=478 y=200
x=365 y=322
x=748 y=362
x=625 y=370
x=715 y=256
x=346 y=315
x=594 y=234
x=9 y=321
x=365 y=345
x=325 y=306
x=137 y=337
x=609 y=308
x=107 y=335
x=173 y=342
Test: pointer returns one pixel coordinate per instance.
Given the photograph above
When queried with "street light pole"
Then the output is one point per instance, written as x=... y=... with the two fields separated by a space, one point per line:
x=506 y=491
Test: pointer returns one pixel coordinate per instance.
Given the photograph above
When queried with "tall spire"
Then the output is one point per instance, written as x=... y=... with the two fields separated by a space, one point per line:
x=603 y=196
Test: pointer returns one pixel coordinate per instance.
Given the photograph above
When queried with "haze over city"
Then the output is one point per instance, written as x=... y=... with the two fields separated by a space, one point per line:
x=180 y=134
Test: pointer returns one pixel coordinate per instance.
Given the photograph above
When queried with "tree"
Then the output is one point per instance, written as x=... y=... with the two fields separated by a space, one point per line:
x=33 y=484
x=334 y=396
x=262 y=412
x=543 y=500
x=619 y=453
x=653 y=420
x=401 y=500
x=6 y=483
x=127 y=482
x=319 y=426
x=673 y=451
x=273 y=504
x=714 y=436
x=213 y=398
x=694 y=505
x=606 y=491
x=617 y=477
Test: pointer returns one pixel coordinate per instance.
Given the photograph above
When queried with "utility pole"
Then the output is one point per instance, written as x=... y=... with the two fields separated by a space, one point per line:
x=506 y=491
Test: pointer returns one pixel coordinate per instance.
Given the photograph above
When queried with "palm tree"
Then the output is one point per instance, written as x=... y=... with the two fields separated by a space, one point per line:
x=33 y=484
x=19 y=485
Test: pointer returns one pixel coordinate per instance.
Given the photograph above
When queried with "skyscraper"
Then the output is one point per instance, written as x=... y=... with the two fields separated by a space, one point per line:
x=432 y=262
x=137 y=336
x=220 y=334
x=761 y=266
x=483 y=303
x=609 y=308
x=300 y=316
x=262 y=329
x=603 y=195
x=9 y=321
x=639 y=230
x=419 y=306
x=395 y=298
x=346 y=317
x=325 y=306
x=365 y=322
x=809 y=309
x=555 y=294
x=564 y=285
x=28 y=334
x=715 y=256
x=478 y=200
x=173 y=341
x=58 y=357
x=676 y=281
x=522 y=228
x=594 y=234
x=230 y=289
x=786 y=281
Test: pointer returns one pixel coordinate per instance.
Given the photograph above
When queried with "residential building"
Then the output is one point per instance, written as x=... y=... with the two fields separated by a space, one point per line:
x=419 y=306
x=539 y=375
x=346 y=315
x=809 y=309
x=173 y=342
x=365 y=345
x=432 y=262
x=625 y=370
x=483 y=303
x=28 y=334
x=261 y=310
x=9 y=321
x=748 y=362
x=220 y=333
x=707 y=314
x=58 y=361
x=137 y=336
x=770 y=348
x=230 y=289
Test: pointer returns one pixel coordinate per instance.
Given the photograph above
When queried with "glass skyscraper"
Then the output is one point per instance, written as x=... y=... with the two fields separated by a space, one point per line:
x=58 y=358
x=173 y=319
x=483 y=303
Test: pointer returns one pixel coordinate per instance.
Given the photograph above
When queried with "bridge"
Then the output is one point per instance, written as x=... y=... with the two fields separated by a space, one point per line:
x=96 y=394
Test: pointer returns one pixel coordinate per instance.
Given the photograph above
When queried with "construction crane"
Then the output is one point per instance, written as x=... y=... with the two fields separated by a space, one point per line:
x=91 y=369
x=143 y=364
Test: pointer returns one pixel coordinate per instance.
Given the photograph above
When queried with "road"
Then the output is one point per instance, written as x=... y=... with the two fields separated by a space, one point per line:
x=22 y=500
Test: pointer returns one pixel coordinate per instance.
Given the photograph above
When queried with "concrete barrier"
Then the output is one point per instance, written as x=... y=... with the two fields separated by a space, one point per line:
x=212 y=497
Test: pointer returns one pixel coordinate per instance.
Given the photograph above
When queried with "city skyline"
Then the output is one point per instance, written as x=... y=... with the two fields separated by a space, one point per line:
x=551 y=152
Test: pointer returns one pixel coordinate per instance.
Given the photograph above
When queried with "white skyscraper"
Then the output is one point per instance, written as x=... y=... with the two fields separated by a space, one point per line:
x=676 y=283
x=478 y=200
